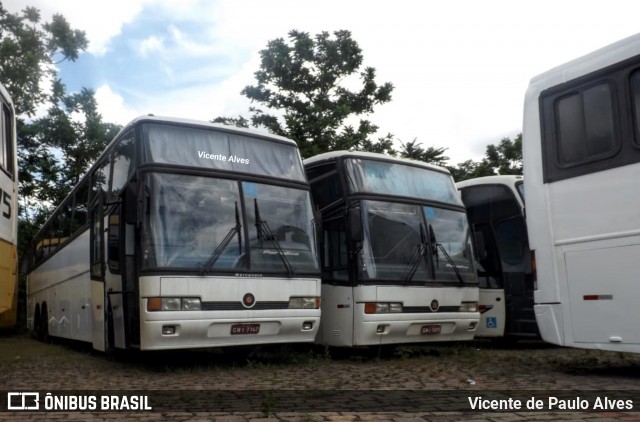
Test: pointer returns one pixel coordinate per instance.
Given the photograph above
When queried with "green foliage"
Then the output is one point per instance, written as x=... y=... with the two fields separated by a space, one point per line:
x=232 y=121
x=431 y=155
x=301 y=85
x=28 y=49
x=504 y=158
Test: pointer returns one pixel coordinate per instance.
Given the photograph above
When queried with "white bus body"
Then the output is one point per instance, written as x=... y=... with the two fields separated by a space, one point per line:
x=495 y=206
x=396 y=257
x=8 y=212
x=194 y=235
x=581 y=150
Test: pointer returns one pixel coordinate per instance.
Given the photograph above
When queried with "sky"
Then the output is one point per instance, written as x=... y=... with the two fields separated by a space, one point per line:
x=460 y=68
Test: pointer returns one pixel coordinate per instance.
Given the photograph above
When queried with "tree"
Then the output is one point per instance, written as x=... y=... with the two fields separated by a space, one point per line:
x=57 y=150
x=302 y=84
x=504 y=158
x=431 y=155
x=28 y=51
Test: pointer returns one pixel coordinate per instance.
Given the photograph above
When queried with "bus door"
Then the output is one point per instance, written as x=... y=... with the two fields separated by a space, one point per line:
x=96 y=254
x=515 y=259
x=121 y=279
x=338 y=304
x=491 y=300
x=115 y=314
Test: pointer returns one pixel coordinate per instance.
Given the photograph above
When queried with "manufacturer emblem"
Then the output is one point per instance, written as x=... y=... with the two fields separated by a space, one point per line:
x=248 y=300
x=434 y=305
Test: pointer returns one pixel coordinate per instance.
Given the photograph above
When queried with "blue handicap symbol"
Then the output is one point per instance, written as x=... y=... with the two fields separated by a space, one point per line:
x=492 y=322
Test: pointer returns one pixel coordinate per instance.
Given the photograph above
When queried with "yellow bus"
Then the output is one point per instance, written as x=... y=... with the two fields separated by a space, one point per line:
x=8 y=213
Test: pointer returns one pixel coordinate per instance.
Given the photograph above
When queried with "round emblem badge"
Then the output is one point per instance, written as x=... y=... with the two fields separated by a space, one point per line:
x=434 y=305
x=248 y=300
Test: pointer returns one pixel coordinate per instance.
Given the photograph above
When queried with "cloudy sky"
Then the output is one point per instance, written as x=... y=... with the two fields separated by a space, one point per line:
x=460 y=67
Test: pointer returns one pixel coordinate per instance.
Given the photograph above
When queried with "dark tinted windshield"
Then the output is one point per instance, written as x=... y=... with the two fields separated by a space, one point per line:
x=389 y=178
x=200 y=224
x=430 y=243
x=216 y=149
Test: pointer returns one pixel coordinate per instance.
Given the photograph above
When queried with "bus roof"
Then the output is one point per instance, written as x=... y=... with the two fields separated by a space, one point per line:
x=204 y=124
x=333 y=155
x=509 y=180
x=596 y=60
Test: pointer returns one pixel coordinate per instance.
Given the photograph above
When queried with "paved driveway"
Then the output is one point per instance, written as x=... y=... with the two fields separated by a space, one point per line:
x=438 y=382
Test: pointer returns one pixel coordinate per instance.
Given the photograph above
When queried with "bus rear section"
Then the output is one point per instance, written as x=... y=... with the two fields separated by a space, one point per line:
x=396 y=253
x=581 y=164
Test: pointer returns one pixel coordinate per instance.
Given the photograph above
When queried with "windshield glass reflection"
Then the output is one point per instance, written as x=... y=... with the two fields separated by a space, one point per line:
x=200 y=223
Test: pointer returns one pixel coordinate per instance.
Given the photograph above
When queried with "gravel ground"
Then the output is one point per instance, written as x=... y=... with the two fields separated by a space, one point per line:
x=301 y=383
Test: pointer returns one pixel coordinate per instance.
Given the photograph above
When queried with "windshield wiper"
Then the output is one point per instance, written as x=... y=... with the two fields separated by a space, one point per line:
x=418 y=253
x=222 y=246
x=264 y=231
x=437 y=245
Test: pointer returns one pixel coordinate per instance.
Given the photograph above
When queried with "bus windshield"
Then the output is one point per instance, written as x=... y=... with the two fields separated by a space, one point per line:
x=220 y=150
x=398 y=179
x=412 y=243
x=200 y=223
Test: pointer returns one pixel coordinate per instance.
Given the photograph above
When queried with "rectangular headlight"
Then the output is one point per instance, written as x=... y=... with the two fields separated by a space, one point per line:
x=395 y=307
x=304 y=303
x=171 y=304
x=191 y=304
x=469 y=307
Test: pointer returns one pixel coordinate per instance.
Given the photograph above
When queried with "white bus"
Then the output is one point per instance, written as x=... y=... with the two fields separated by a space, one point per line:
x=581 y=139
x=8 y=213
x=183 y=234
x=495 y=206
x=396 y=256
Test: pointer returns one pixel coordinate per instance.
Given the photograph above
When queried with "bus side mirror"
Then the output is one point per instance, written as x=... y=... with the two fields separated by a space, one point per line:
x=131 y=203
x=355 y=224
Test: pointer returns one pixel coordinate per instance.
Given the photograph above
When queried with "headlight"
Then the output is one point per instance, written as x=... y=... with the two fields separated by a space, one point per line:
x=382 y=307
x=304 y=302
x=469 y=307
x=191 y=304
x=155 y=304
x=171 y=304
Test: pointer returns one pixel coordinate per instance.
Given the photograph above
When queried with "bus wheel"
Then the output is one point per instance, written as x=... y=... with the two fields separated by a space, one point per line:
x=44 y=324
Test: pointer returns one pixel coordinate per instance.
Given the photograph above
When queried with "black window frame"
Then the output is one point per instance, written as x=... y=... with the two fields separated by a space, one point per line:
x=626 y=129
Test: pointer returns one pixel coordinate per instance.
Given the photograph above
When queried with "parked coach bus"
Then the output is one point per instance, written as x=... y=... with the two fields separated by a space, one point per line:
x=495 y=206
x=8 y=213
x=396 y=257
x=581 y=139
x=183 y=234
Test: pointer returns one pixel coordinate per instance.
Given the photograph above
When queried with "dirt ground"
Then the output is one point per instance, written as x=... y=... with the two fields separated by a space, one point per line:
x=443 y=382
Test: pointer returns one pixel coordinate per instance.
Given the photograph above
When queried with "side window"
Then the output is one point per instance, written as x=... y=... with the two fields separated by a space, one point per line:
x=585 y=126
x=325 y=185
x=335 y=256
x=100 y=179
x=122 y=167
x=7 y=152
x=113 y=248
x=635 y=103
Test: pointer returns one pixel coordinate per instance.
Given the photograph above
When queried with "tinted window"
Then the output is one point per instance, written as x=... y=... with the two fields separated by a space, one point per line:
x=122 y=160
x=326 y=190
x=585 y=125
x=216 y=149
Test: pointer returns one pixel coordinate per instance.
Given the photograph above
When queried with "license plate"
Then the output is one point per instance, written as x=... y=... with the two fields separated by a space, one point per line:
x=430 y=329
x=245 y=329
